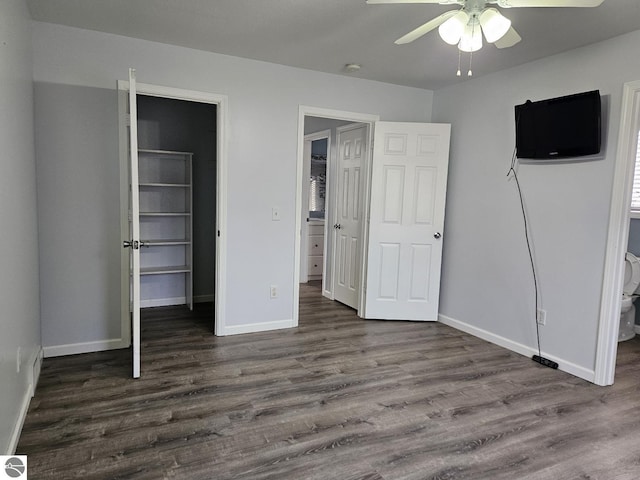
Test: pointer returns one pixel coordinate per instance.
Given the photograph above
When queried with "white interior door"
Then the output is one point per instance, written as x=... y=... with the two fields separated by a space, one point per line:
x=406 y=219
x=352 y=153
x=133 y=243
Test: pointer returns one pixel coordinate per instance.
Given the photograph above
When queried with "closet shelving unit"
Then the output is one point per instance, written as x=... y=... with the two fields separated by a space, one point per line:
x=166 y=227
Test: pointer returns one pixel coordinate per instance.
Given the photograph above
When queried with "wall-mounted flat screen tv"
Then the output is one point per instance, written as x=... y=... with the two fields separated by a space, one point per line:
x=563 y=127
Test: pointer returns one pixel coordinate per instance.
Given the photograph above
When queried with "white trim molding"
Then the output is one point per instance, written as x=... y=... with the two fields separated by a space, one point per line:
x=84 y=347
x=256 y=327
x=516 y=347
x=34 y=376
x=617 y=236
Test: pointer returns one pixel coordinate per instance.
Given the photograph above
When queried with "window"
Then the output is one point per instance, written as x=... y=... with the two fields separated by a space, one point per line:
x=635 y=194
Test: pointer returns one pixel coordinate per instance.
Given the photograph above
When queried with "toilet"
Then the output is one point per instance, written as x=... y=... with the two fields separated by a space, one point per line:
x=628 y=311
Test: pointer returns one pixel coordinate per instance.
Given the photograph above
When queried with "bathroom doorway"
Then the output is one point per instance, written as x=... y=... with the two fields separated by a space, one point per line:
x=618 y=236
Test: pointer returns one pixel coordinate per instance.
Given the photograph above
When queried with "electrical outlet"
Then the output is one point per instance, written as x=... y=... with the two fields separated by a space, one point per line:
x=18 y=360
x=273 y=291
x=542 y=317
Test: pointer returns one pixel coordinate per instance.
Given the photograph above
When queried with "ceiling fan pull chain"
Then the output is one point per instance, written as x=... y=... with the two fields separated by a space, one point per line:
x=470 y=73
x=459 y=55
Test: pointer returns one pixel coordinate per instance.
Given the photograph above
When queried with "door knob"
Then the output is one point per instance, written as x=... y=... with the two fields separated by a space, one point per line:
x=131 y=244
x=339 y=226
x=437 y=235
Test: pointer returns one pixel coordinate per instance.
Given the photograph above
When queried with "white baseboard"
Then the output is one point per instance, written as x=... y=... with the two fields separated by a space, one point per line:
x=525 y=350
x=204 y=298
x=163 y=302
x=84 y=347
x=255 y=327
x=17 y=429
x=33 y=375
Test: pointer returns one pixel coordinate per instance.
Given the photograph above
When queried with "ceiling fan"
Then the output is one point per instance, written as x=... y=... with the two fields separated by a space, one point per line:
x=464 y=27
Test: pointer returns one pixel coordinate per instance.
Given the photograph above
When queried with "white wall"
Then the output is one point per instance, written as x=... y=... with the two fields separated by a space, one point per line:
x=262 y=144
x=486 y=278
x=20 y=319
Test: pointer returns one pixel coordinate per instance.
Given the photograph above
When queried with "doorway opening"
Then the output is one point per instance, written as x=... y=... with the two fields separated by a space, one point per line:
x=329 y=251
x=617 y=236
x=317 y=151
x=177 y=165
x=182 y=151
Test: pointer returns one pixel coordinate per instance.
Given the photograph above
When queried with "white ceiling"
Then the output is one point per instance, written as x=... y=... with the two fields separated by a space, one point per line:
x=324 y=35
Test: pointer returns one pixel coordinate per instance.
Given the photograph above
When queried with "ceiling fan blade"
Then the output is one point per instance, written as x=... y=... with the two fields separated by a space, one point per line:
x=441 y=2
x=509 y=40
x=426 y=28
x=548 y=3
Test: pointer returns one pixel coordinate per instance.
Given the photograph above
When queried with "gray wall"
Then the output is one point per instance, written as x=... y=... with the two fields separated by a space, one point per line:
x=486 y=278
x=168 y=124
x=79 y=211
x=261 y=147
x=20 y=318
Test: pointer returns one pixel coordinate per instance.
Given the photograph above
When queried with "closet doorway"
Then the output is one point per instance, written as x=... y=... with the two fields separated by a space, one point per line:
x=180 y=186
x=177 y=165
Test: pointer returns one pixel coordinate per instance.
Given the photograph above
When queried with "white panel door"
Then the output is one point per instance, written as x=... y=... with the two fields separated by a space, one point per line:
x=406 y=219
x=134 y=243
x=351 y=157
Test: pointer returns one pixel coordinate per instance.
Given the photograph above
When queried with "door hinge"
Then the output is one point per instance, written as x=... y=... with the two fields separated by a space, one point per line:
x=127 y=119
x=218 y=233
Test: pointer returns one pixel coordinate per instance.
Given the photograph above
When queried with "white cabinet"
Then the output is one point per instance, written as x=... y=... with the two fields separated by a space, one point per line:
x=315 y=250
x=166 y=228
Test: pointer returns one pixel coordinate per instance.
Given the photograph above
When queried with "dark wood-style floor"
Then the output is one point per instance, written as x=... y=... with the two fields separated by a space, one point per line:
x=337 y=398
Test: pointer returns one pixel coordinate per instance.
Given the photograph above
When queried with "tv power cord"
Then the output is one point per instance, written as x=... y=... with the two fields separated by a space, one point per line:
x=536 y=358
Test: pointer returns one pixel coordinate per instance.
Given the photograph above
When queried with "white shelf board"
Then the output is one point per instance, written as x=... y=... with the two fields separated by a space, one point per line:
x=165 y=214
x=164 y=270
x=164 y=242
x=163 y=185
x=163 y=152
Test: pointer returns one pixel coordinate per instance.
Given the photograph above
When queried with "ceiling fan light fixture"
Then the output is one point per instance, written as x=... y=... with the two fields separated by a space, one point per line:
x=494 y=25
x=451 y=31
x=471 y=40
